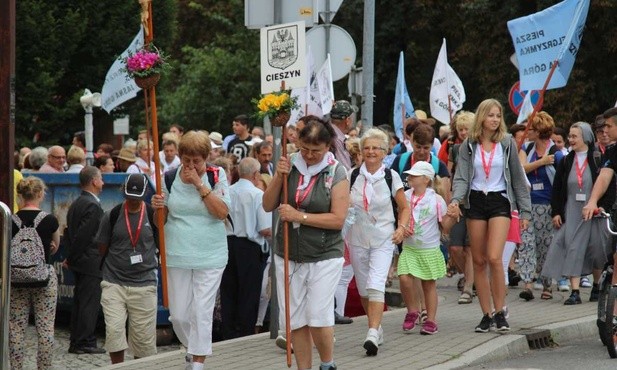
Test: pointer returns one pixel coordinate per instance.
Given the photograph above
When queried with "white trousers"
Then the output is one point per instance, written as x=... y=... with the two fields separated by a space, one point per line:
x=508 y=251
x=371 y=266
x=340 y=295
x=192 y=294
x=264 y=298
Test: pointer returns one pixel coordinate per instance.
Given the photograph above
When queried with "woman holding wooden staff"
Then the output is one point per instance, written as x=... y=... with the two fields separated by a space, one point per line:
x=315 y=208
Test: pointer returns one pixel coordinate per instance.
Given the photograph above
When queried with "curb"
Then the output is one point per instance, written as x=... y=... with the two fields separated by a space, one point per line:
x=507 y=346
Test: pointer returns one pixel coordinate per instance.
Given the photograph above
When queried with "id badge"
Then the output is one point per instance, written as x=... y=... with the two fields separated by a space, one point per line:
x=136 y=258
x=538 y=186
x=581 y=197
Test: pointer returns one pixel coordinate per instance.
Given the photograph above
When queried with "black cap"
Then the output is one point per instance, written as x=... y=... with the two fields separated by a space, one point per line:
x=135 y=186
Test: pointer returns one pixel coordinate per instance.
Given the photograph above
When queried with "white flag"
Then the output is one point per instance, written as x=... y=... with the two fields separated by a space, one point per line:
x=526 y=108
x=326 y=86
x=118 y=88
x=445 y=84
x=313 y=99
x=303 y=93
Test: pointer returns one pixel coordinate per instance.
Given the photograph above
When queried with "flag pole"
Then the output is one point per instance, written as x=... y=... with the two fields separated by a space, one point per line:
x=150 y=94
x=450 y=108
x=540 y=101
x=286 y=246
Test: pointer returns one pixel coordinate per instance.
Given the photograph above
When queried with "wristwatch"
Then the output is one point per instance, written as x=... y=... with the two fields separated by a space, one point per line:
x=304 y=217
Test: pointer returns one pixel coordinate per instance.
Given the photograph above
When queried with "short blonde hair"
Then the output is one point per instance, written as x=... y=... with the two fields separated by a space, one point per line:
x=375 y=133
x=75 y=155
x=30 y=188
x=475 y=133
x=195 y=143
x=143 y=144
x=464 y=119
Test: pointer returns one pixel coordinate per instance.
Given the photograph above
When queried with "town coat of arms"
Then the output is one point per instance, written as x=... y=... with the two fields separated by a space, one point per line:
x=283 y=48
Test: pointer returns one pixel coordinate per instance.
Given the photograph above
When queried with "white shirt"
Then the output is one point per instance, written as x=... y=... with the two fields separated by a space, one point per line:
x=496 y=180
x=140 y=166
x=247 y=211
x=168 y=166
x=426 y=220
x=371 y=229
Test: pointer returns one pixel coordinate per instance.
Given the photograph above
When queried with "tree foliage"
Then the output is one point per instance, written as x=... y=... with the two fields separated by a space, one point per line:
x=66 y=45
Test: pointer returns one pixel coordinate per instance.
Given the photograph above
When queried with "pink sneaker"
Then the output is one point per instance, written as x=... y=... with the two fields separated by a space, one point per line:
x=429 y=328
x=410 y=321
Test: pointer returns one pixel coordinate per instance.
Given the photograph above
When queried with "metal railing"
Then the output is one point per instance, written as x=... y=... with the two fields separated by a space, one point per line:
x=5 y=287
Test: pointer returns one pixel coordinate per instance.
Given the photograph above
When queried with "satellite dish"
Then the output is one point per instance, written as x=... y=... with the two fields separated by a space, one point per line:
x=342 y=49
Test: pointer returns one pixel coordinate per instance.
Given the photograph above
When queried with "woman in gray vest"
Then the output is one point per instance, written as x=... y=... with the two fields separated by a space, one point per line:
x=316 y=207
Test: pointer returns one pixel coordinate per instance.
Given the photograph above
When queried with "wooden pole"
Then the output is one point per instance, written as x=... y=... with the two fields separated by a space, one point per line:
x=540 y=101
x=150 y=95
x=286 y=247
x=7 y=101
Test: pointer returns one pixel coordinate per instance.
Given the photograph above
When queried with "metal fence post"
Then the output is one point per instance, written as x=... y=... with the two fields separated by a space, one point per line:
x=5 y=287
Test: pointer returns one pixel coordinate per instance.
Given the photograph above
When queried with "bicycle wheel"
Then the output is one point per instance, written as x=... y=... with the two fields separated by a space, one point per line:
x=605 y=288
x=610 y=325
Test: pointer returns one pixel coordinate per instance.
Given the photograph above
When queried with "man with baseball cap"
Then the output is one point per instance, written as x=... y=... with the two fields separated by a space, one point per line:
x=127 y=240
x=341 y=120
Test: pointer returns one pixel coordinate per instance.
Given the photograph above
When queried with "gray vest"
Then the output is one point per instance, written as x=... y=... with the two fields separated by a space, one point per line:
x=306 y=243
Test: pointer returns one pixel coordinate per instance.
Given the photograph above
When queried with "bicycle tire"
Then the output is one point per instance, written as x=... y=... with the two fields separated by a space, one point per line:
x=611 y=323
x=605 y=288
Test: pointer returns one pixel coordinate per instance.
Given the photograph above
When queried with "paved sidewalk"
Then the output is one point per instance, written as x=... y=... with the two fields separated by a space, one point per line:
x=455 y=345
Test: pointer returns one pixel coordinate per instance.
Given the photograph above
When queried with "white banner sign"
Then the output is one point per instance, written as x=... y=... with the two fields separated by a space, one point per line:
x=283 y=53
x=326 y=87
x=447 y=93
x=118 y=88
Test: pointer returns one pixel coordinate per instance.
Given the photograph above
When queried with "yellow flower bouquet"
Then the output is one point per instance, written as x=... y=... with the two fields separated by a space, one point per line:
x=277 y=106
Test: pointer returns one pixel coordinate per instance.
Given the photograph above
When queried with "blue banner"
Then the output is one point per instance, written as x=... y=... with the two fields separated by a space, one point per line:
x=401 y=99
x=541 y=38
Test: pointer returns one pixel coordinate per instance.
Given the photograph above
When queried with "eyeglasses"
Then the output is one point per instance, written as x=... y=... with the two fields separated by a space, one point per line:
x=314 y=152
x=372 y=148
x=58 y=156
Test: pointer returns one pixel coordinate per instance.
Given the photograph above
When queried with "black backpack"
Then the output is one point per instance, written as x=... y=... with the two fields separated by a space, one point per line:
x=388 y=178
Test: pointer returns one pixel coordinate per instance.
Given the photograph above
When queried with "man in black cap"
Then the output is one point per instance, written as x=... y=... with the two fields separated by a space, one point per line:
x=127 y=240
x=341 y=120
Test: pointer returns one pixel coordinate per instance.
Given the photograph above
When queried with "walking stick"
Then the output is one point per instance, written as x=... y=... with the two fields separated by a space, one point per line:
x=286 y=247
x=150 y=95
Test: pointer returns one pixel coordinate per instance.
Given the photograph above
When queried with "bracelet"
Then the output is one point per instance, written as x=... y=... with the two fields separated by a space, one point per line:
x=204 y=196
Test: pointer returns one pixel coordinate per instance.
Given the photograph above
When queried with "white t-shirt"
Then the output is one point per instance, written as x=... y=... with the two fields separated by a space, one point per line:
x=373 y=228
x=496 y=180
x=168 y=166
x=427 y=214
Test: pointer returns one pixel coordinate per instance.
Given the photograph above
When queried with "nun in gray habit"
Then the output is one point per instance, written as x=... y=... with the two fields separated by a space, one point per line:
x=578 y=246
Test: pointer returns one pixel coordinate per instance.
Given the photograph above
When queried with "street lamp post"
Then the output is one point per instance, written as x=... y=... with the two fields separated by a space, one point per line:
x=89 y=100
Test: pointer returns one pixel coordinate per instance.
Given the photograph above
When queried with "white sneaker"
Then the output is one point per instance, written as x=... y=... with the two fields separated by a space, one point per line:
x=585 y=283
x=380 y=330
x=563 y=286
x=538 y=285
x=371 y=343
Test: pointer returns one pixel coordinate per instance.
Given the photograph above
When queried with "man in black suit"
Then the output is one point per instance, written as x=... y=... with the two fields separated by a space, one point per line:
x=83 y=219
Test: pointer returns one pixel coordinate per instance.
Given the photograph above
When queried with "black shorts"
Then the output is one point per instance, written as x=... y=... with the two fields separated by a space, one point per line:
x=486 y=206
x=458 y=234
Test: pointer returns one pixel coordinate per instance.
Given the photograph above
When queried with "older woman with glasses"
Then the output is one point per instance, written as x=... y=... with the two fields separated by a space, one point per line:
x=315 y=208
x=196 y=242
x=375 y=190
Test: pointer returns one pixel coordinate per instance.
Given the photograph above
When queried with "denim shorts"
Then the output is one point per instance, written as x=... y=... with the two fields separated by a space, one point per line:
x=486 y=206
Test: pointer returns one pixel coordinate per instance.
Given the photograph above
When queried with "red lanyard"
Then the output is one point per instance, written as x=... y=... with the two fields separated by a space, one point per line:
x=580 y=171
x=139 y=224
x=487 y=166
x=307 y=190
x=413 y=205
x=602 y=148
